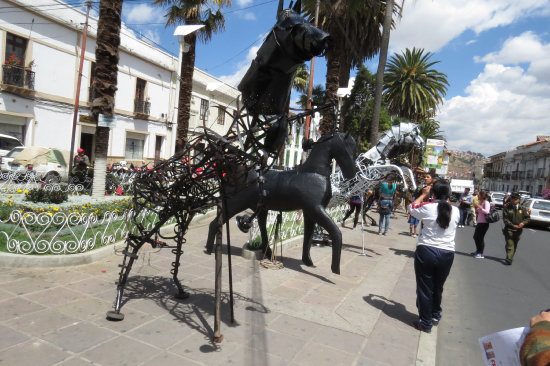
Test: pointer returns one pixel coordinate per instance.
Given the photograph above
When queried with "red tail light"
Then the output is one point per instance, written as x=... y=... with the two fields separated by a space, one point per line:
x=29 y=166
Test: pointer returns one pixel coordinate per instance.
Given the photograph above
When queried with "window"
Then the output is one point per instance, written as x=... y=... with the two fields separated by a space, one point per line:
x=221 y=115
x=16 y=48
x=134 y=146
x=141 y=105
x=204 y=110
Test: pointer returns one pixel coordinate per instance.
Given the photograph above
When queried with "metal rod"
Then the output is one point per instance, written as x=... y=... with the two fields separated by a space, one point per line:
x=310 y=86
x=218 y=337
x=78 y=83
x=362 y=227
x=230 y=271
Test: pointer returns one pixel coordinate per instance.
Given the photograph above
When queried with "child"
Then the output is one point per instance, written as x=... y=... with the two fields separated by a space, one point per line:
x=413 y=223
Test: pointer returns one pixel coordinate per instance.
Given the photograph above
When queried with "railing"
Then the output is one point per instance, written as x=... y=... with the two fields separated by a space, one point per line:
x=142 y=106
x=18 y=76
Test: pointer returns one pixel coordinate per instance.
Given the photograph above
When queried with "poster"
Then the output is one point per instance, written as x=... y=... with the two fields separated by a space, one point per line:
x=502 y=348
x=435 y=156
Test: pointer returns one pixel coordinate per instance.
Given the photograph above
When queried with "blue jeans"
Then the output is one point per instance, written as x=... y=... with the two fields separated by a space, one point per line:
x=431 y=267
x=386 y=217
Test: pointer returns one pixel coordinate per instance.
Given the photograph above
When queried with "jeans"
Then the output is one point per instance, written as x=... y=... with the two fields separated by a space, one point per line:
x=386 y=217
x=431 y=267
x=479 y=236
x=464 y=212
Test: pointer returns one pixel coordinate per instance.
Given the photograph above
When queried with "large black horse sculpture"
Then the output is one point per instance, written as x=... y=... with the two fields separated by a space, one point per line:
x=307 y=188
x=214 y=168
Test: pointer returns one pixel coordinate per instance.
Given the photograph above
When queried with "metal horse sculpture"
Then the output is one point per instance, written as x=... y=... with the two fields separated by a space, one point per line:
x=306 y=188
x=212 y=166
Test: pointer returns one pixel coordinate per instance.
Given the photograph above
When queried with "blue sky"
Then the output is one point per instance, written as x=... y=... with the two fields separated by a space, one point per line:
x=496 y=54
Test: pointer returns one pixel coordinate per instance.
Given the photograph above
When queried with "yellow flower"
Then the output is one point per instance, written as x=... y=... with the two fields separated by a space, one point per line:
x=83 y=207
x=10 y=196
x=19 y=191
x=86 y=193
x=41 y=210
x=56 y=209
x=49 y=213
x=26 y=191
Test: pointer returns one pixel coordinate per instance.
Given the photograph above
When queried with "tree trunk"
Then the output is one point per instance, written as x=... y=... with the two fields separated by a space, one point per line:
x=380 y=72
x=332 y=82
x=186 y=87
x=105 y=86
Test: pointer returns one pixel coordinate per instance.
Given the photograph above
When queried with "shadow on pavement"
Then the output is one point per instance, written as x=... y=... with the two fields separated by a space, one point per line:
x=359 y=249
x=403 y=252
x=488 y=257
x=391 y=308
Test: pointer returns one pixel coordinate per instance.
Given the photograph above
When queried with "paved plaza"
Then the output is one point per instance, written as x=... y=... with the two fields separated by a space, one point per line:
x=295 y=316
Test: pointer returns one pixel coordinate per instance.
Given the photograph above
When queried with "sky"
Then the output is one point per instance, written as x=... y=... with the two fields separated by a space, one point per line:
x=495 y=53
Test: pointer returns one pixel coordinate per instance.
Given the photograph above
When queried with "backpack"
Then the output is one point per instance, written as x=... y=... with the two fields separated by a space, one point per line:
x=492 y=216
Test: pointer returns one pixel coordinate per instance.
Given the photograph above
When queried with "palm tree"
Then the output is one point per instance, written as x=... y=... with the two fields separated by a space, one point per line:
x=413 y=89
x=317 y=97
x=105 y=84
x=354 y=26
x=191 y=12
x=301 y=79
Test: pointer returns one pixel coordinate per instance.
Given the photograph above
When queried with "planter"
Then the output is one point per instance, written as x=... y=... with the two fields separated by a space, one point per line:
x=256 y=254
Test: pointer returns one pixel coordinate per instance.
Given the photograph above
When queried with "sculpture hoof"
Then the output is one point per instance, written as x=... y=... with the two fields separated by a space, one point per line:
x=114 y=316
x=335 y=269
x=308 y=262
x=182 y=295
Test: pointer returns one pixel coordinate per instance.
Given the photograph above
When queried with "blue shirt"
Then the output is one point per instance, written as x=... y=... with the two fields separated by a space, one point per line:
x=386 y=191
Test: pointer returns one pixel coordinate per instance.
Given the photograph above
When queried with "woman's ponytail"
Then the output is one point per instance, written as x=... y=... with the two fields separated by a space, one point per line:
x=442 y=190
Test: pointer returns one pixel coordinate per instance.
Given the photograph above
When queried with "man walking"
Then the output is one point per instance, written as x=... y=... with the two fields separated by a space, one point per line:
x=475 y=202
x=466 y=201
x=515 y=217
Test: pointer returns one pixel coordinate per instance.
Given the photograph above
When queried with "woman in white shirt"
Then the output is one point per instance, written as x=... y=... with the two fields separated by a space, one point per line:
x=435 y=249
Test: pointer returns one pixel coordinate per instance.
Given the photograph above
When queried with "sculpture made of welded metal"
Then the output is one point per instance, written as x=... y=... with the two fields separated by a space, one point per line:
x=212 y=168
x=307 y=187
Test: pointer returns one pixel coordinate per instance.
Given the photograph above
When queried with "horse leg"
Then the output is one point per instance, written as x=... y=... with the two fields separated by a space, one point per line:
x=262 y=223
x=181 y=294
x=309 y=226
x=322 y=218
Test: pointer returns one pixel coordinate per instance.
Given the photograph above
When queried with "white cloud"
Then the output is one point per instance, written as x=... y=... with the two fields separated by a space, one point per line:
x=431 y=24
x=242 y=3
x=248 y=15
x=143 y=13
x=507 y=104
x=152 y=35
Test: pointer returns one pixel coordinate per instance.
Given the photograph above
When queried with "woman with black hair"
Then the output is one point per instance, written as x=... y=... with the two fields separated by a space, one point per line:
x=435 y=249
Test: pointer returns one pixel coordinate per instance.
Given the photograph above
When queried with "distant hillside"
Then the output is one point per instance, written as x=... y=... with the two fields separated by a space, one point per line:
x=462 y=164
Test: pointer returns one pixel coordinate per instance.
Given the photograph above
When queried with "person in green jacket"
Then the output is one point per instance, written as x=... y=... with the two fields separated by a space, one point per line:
x=515 y=217
x=535 y=350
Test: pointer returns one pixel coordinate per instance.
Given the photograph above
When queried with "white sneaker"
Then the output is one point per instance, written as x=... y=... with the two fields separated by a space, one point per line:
x=479 y=256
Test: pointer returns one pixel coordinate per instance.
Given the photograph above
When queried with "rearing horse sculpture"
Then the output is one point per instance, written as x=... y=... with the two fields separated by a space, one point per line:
x=212 y=168
x=307 y=187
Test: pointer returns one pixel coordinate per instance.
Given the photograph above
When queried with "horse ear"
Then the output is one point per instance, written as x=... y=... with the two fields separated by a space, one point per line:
x=280 y=8
x=298 y=7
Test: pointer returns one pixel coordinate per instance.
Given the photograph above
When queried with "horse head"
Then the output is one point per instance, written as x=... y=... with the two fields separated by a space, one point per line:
x=396 y=141
x=344 y=152
x=267 y=84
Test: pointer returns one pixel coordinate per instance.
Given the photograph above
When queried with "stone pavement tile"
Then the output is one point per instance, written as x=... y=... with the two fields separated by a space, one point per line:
x=132 y=320
x=199 y=347
x=252 y=357
x=276 y=343
x=15 y=307
x=41 y=322
x=315 y=354
x=326 y=302
x=332 y=290
x=4 y=295
x=33 y=352
x=300 y=284
x=339 y=339
x=287 y=292
x=160 y=333
x=85 y=308
x=92 y=286
x=170 y=359
x=26 y=285
x=8 y=275
x=365 y=361
x=391 y=352
x=295 y=326
x=121 y=351
x=65 y=276
x=149 y=306
x=55 y=296
x=10 y=337
x=79 y=337
x=75 y=361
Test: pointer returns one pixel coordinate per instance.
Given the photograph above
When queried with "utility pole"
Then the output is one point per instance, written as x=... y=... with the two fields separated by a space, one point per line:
x=78 y=83
x=310 y=86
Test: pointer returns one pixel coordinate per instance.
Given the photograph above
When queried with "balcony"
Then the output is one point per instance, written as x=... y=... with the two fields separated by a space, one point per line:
x=142 y=108
x=18 y=79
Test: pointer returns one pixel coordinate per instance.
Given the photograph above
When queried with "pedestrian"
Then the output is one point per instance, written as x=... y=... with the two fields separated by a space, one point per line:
x=434 y=253
x=506 y=199
x=535 y=350
x=368 y=201
x=413 y=225
x=515 y=217
x=80 y=164
x=387 y=191
x=482 y=207
x=354 y=205
x=473 y=214
x=465 y=202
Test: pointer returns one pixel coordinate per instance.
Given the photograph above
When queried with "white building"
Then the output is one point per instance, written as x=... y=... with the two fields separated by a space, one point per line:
x=40 y=47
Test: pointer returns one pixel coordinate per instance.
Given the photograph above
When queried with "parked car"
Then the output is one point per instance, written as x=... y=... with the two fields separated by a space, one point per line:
x=539 y=210
x=8 y=158
x=49 y=164
x=497 y=198
x=7 y=143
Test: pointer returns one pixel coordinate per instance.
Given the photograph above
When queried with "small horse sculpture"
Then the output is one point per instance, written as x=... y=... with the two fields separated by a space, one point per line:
x=307 y=188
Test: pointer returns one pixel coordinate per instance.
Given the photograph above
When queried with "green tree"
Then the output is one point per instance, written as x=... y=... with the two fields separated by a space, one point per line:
x=355 y=27
x=358 y=108
x=301 y=79
x=105 y=84
x=191 y=12
x=412 y=88
x=317 y=97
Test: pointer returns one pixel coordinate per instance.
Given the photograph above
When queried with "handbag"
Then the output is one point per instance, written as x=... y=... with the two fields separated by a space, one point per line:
x=492 y=216
x=384 y=210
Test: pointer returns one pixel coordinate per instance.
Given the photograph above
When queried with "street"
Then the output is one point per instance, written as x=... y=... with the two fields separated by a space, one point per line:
x=483 y=296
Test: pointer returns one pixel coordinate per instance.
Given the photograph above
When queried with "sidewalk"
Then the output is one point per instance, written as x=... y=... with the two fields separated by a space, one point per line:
x=292 y=316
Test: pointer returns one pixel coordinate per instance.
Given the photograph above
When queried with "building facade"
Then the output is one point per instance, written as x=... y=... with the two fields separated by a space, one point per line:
x=40 y=48
x=525 y=168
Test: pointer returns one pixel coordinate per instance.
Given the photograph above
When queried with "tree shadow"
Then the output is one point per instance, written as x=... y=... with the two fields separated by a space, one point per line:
x=391 y=308
x=403 y=252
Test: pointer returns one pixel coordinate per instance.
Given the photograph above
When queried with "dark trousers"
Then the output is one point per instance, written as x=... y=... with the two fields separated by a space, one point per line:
x=357 y=208
x=512 y=239
x=464 y=213
x=431 y=267
x=479 y=236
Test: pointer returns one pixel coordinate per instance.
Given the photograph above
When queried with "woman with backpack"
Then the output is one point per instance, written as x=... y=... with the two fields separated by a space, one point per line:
x=482 y=207
x=385 y=204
